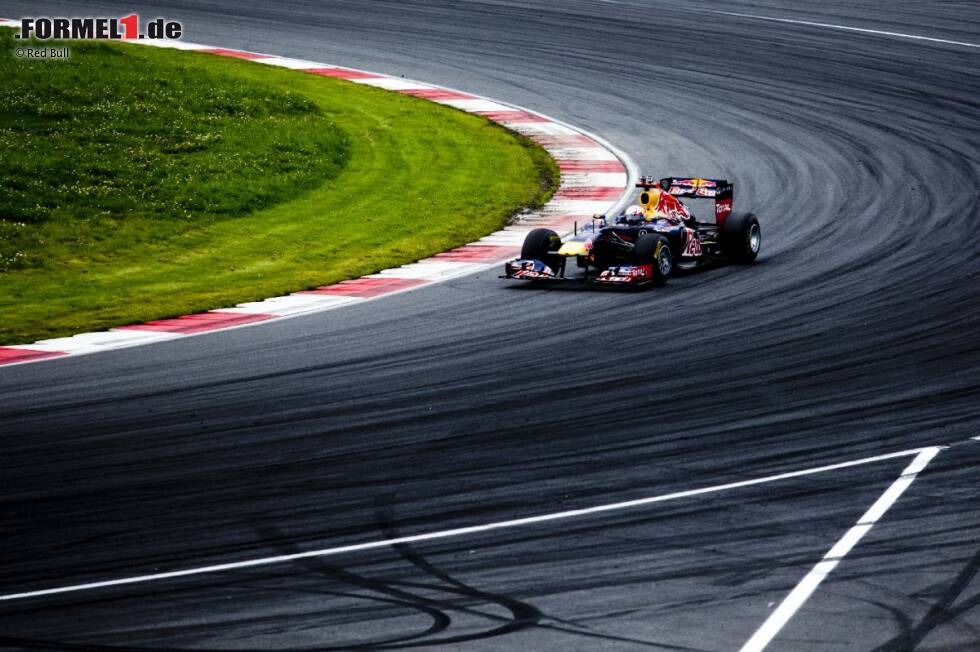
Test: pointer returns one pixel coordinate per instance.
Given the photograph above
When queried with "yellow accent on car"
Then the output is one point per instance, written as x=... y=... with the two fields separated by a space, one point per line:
x=573 y=249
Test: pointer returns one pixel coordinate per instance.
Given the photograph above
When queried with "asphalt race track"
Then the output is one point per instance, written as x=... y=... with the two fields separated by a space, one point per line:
x=857 y=334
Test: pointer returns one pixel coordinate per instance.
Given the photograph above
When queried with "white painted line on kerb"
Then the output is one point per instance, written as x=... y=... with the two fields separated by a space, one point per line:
x=457 y=532
x=792 y=603
x=847 y=28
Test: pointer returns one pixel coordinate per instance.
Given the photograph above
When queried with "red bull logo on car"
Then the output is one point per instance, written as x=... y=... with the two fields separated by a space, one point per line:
x=658 y=203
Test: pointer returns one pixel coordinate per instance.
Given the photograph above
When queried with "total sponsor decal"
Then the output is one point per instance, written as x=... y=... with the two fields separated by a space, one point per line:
x=723 y=207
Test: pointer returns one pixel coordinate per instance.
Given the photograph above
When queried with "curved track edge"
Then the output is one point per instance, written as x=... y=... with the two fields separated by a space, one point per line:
x=596 y=177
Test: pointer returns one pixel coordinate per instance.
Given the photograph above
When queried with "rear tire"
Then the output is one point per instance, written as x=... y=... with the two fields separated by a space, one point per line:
x=741 y=238
x=654 y=249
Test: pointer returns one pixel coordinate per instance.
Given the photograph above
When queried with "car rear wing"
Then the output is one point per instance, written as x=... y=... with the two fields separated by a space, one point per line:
x=721 y=190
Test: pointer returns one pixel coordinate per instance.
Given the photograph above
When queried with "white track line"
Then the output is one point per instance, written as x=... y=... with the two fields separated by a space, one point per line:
x=850 y=29
x=792 y=603
x=456 y=532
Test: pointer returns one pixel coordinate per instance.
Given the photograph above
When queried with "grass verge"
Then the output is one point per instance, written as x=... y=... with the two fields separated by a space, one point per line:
x=139 y=184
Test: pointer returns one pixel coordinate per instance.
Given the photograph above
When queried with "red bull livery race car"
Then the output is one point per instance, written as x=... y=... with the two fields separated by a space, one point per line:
x=646 y=243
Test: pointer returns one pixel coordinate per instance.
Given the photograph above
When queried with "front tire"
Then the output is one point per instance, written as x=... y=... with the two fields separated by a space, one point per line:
x=542 y=244
x=654 y=249
x=741 y=238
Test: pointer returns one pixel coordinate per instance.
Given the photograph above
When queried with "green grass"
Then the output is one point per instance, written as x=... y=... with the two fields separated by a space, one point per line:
x=138 y=184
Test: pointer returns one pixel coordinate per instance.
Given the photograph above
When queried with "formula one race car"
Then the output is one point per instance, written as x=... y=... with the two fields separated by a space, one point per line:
x=646 y=243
